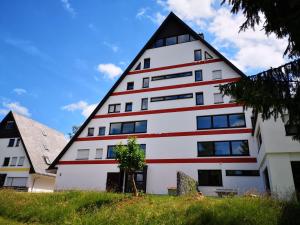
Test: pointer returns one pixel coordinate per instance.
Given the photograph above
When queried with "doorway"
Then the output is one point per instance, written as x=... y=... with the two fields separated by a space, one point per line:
x=113 y=182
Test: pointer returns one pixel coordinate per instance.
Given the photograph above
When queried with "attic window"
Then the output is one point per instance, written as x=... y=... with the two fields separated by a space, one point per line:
x=44 y=133
x=159 y=43
x=10 y=125
x=146 y=63
x=47 y=160
x=138 y=67
x=183 y=38
x=207 y=55
x=171 y=41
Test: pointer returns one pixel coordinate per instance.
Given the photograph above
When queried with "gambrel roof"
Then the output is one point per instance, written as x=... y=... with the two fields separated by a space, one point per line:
x=38 y=141
x=171 y=26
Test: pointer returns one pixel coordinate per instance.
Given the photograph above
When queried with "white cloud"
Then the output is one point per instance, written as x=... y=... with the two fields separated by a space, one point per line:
x=92 y=27
x=109 y=70
x=82 y=106
x=113 y=47
x=19 y=91
x=15 y=107
x=141 y=12
x=249 y=50
x=156 y=18
x=67 y=6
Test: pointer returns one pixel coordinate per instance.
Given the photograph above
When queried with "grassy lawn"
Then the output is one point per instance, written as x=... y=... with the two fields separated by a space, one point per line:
x=107 y=208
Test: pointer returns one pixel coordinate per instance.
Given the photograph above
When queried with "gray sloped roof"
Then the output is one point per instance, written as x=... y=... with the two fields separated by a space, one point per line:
x=39 y=141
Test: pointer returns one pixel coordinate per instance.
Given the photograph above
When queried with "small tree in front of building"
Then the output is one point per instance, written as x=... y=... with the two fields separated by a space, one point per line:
x=131 y=158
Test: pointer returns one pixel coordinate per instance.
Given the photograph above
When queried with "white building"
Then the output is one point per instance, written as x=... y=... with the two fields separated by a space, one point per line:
x=168 y=98
x=27 y=148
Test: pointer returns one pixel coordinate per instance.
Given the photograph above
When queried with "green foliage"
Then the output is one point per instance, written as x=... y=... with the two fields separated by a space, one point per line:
x=131 y=157
x=274 y=92
x=280 y=17
x=118 y=209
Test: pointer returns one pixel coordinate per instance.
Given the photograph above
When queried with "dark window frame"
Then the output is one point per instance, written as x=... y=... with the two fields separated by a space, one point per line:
x=178 y=97
x=201 y=57
x=207 y=55
x=176 y=42
x=214 y=150
x=199 y=93
x=10 y=125
x=147 y=67
x=144 y=108
x=196 y=80
x=89 y=134
x=115 y=107
x=113 y=146
x=11 y=142
x=18 y=142
x=126 y=105
x=122 y=123
x=103 y=129
x=130 y=85
x=146 y=86
x=6 y=162
x=210 y=183
x=172 y=76
x=244 y=173
x=227 y=117
x=138 y=67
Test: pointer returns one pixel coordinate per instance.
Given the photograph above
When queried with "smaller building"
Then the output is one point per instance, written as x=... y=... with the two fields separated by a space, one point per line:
x=278 y=156
x=27 y=148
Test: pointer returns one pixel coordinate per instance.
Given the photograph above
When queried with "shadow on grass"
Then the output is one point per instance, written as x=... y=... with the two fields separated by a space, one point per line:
x=290 y=214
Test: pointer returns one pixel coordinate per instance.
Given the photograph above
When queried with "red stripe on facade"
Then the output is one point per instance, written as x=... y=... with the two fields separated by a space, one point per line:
x=175 y=66
x=194 y=84
x=171 y=134
x=158 y=111
x=167 y=161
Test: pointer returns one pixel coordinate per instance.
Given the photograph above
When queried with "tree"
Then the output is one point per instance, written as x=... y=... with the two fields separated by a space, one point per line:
x=276 y=91
x=280 y=17
x=74 y=130
x=131 y=158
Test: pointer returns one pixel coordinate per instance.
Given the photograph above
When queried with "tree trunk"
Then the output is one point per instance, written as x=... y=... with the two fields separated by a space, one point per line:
x=135 y=191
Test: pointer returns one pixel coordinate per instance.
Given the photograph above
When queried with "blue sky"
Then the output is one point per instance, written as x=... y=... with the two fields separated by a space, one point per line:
x=58 y=58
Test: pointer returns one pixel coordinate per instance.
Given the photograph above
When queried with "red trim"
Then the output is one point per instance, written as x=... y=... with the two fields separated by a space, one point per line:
x=170 y=134
x=175 y=66
x=157 y=111
x=194 y=84
x=158 y=161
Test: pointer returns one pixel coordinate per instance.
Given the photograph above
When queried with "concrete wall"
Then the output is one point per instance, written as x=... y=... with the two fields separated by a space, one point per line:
x=40 y=183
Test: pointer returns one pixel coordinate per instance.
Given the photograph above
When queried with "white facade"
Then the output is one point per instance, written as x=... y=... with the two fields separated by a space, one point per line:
x=276 y=152
x=171 y=137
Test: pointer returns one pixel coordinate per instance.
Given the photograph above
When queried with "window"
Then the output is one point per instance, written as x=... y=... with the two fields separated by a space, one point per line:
x=221 y=121
x=259 y=139
x=159 y=43
x=147 y=63
x=210 y=178
x=114 y=108
x=21 y=161
x=47 y=160
x=18 y=142
x=10 y=125
x=144 y=104
x=170 y=76
x=171 y=41
x=197 y=55
x=199 y=99
x=246 y=173
x=16 y=181
x=207 y=55
x=198 y=75
x=138 y=67
x=146 y=82
x=99 y=153
x=13 y=161
x=90 y=131
x=130 y=85
x=111 y=154
x=128 y=107
x=11 y=142
x=223 y=148
x=171 y=97
x=217 y=74
x=290 y=129
x=218 y=98
x=101 y=131
x=83 y=154
x=183 y=38
x=6 y=161
x=128 y=127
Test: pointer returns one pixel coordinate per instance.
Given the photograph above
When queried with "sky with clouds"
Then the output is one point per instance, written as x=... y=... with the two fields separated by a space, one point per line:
x=58 y=58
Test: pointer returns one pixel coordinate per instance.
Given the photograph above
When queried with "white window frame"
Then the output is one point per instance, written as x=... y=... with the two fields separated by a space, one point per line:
x=13 y=161
x=83 y=154
x=99 y=155
x=217 y=74
x=218 y=98
x=21 y=161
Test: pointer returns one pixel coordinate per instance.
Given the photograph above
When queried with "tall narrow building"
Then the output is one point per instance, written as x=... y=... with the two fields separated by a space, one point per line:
x=169 y=99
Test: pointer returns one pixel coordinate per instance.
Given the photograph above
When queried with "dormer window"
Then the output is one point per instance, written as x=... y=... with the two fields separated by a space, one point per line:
x=10 y=125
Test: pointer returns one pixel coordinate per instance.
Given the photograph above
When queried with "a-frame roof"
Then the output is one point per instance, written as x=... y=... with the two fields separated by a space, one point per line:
x=38 y=141
x=167 y=28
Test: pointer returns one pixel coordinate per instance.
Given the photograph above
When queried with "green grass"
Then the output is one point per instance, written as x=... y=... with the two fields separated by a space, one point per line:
x=108 y=208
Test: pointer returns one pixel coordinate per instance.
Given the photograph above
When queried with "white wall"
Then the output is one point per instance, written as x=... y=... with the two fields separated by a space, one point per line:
x=40 y=183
